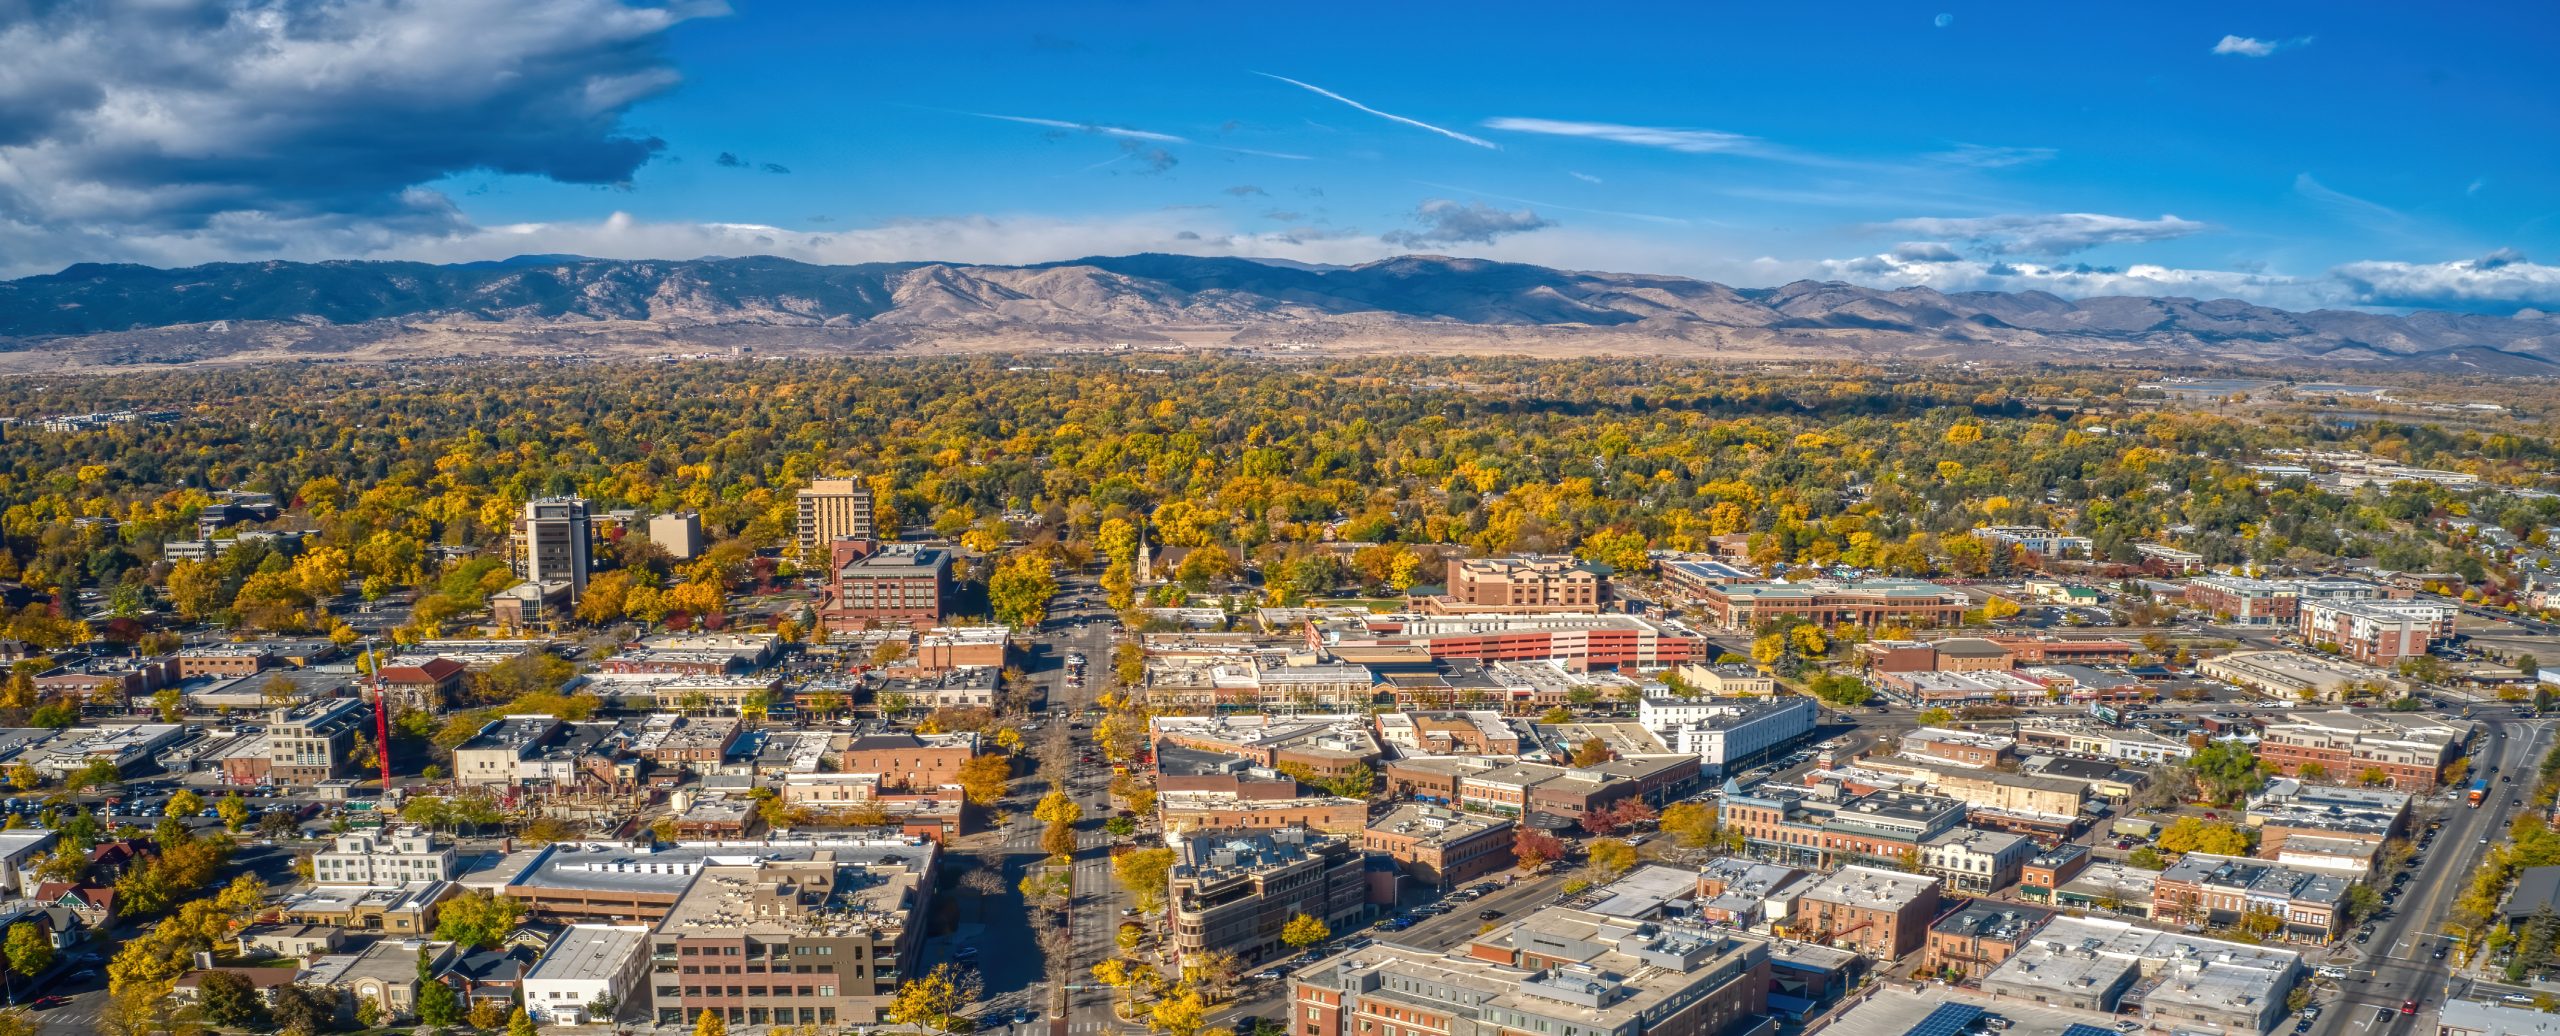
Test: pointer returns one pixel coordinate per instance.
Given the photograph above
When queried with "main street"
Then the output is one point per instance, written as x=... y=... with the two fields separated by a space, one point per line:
x=2400 y=958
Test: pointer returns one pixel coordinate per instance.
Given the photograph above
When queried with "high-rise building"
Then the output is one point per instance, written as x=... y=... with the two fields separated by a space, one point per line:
x=834 y=509
x=551 y=542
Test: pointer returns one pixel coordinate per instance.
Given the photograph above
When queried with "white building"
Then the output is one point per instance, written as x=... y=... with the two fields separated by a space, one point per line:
x=16 y=849
x=1728 y=733
x=393 y=857
x=1977 y=862
x=587 y=965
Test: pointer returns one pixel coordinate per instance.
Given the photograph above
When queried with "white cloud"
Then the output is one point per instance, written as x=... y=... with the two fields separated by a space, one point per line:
x=1688 y=141
x=1981 y=156
x=1122 y=132
x=2249 y=47
x=1444 y=222
x=1389 y=116
x=2047 y=234
x=235 y=119
x=1903 y=269
x=1584 y=177
x=2245 y=47
x=2500 y=281
x=2354 y=209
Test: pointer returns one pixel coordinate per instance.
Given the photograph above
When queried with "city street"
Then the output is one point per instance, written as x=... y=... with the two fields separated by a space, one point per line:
x=2400 y=956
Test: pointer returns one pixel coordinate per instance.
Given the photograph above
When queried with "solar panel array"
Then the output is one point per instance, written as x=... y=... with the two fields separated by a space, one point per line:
x=1948 y=1020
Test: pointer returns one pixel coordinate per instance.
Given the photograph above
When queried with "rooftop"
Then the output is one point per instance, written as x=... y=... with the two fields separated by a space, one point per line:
x=588 y=952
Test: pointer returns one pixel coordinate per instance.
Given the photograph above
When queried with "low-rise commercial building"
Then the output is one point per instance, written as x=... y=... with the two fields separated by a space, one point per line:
x=589 y=973
x=1976 y=862
x=1970 y=942
x=2176 y=981
x=1908 y=602
x=2410 y=751
x=1558 y=971
x=2202 y=888
x=1441 y=847
x=1729 y=735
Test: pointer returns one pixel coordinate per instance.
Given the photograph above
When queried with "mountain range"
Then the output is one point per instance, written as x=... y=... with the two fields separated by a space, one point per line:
x=105 y=315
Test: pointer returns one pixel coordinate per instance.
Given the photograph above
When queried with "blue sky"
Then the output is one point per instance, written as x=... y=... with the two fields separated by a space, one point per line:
x=2298 y=154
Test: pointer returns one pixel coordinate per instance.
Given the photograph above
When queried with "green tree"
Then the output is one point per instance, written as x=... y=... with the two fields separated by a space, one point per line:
x=234 y=811
x=30 y=952
x=1609 y=859
x=931 y=1002
x=478 y=919
x=1304 y=930
x=230 y=1001
x=1020 y=590
x=438 y=1005
x=1144 y=872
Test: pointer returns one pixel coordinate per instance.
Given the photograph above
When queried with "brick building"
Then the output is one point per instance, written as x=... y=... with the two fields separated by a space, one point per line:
x=1522 y=584
x=1972 y=941
x=898 y=584
x=1908 y=602
x=1440 y=847
x=1881 y=913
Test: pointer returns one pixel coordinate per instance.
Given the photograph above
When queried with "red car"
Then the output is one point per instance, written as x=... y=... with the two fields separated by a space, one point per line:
x=42 y=1002
x=2408 y=1007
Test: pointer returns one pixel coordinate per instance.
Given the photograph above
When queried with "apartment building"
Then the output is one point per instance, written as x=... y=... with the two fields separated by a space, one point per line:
x=1439 y=847
x=1558 y=971
x=1233 y=891
x=1881 y=913
x=2410 y=750
x=392 y=857
x=2379 y=633
x=2270 y=602
x=834 y=509
x=2168 y=561
x=824 y=939
x=1908 y=602
x=1520 y=584
x=495 y=754
x=897 y=584
x=2050 y=870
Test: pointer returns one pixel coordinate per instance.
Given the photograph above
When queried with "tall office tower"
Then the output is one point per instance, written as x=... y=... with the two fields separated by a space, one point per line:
x=551 y=542
x=834 y=509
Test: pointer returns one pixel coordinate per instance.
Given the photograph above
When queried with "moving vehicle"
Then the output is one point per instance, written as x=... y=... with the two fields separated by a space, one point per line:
x=2479 y=790
x=2408 y=1007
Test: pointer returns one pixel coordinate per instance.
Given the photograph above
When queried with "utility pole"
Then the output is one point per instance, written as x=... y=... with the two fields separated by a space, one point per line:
x=381 y=723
